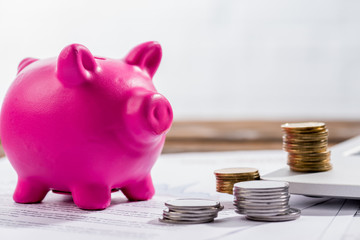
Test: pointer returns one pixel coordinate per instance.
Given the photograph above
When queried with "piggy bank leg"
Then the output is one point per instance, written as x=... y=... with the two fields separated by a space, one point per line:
x=29 y=191
x=141 y=190
x=91 y=196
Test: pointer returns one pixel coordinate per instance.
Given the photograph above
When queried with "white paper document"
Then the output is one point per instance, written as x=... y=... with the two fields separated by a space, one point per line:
x=175 y=176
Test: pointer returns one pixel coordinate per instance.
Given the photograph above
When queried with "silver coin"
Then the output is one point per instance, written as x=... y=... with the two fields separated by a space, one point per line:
x=262 y=212
x=261 y=203
x=239 y=206
x=258 y=204
x=264 y=196
x=283 y=208
x=256 y=214
x=236 y=188
x=262 y=199
x=291 y=215
x=192 y=208
x=261 y=192
x=206 y=211
x=176 y=218
x=261 y=185
x=263 y=208
x=196 y=211
x=192 y=203
x=175 y=209
x=164 y=220
x=187 y=215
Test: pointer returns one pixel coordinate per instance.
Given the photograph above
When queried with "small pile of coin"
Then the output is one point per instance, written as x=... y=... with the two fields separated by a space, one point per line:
x=190 y=211
x=227 y=177
x=307 y=146
x=264 y=201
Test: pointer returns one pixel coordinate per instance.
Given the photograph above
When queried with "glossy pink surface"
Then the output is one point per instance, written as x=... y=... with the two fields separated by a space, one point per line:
x=85 y=125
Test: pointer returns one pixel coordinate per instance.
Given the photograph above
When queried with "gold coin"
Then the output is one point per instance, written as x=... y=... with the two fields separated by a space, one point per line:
x=235 y=181
x=308 y=130
x=304 y=140
x=300 y=139
x=306 y=151
x=224 y=189
x=237 y=177
x=229 y=192
x=325 y=168
x=303 y=125
x=226 y=183
x=294 y=147
x=313 y=165
x=310 y=155
x=299 y=146
x=306 y=144
x=306 y=147
x=307 y=135
x=308 y=160
x=308 y=165
x=229 y=171
x=288 y=139
x=225 y=186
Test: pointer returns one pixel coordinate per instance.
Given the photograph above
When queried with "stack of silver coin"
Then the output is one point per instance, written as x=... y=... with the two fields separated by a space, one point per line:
x=190 y=211
x=264 y=201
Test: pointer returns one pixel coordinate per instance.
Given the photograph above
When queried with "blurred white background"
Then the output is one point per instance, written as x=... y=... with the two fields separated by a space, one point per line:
x=233 y=59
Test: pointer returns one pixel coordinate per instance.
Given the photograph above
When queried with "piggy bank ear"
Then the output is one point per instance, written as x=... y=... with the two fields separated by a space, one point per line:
x=75 y=65
x=147 y=56
x=25 y=62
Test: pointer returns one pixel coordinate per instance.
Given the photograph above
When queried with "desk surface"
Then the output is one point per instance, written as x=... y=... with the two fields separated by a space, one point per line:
x=203 y=136
x=183 y=175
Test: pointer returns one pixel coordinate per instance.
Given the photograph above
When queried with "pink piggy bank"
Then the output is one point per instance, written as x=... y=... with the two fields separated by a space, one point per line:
x=85 y=125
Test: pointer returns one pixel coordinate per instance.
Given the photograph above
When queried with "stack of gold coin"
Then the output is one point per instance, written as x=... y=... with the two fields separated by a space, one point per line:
x=227 y=177
x=307 y=146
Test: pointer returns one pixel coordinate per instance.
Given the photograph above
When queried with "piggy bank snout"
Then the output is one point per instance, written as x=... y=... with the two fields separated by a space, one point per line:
x=159 y=113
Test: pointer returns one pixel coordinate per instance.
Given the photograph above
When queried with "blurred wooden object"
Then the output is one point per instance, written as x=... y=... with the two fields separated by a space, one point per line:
x=1 y=151
x=190 y=136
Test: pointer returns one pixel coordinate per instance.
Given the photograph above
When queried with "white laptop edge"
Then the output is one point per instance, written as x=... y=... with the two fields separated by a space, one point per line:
x=343 y=181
